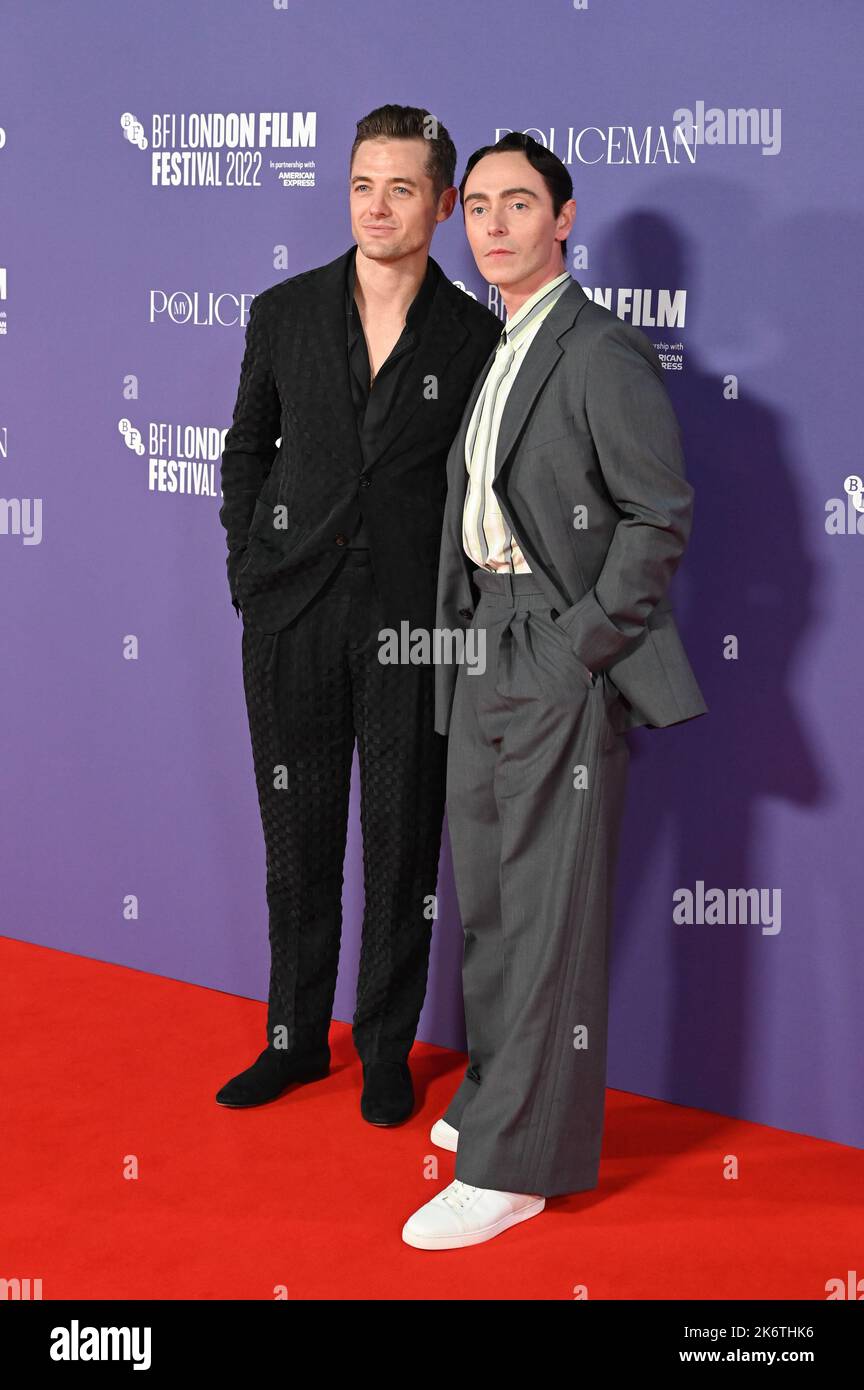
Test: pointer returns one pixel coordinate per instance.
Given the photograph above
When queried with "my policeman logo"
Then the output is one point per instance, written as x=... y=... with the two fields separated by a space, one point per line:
x=77 y=1343
x=846 y=517
x=201 y=309
x=214 y=149
x=678 y=143
x=614 y=144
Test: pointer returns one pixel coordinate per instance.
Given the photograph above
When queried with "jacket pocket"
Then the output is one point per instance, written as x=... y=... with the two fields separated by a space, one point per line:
x=269 y=545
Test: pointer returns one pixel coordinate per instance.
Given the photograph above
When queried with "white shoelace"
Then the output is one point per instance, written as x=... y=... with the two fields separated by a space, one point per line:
x=461 y=1192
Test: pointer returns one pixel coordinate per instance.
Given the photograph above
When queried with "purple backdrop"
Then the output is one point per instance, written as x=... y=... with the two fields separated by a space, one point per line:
x=133 y=777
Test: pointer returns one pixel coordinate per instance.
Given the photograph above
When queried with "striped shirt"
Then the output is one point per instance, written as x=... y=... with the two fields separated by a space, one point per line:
x=486 y=537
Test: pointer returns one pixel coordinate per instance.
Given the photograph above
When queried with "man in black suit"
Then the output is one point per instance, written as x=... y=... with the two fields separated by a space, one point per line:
x=363 y=367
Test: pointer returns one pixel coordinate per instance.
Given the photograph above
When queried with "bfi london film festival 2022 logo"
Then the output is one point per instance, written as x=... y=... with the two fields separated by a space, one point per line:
x=224 y=149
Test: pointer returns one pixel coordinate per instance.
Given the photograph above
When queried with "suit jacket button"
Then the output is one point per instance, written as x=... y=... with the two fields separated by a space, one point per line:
x=364 y=482
x=341 y=540
x=466 y=612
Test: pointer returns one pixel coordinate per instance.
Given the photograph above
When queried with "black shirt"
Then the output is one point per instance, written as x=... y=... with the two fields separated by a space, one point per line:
x=373 y=404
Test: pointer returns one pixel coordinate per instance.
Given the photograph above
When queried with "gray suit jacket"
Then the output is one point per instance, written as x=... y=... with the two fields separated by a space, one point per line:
x=588 y=423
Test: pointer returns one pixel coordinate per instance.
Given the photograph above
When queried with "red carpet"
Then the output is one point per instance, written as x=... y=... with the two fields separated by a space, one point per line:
x=105 y=1066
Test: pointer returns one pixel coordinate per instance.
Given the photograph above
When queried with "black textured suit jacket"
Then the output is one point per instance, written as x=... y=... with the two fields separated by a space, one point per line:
x=289 y=509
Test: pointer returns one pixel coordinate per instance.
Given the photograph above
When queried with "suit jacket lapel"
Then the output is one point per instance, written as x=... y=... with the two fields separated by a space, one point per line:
x=443 y=335
x=320 y=363
x=540 y=358
x=457 y=473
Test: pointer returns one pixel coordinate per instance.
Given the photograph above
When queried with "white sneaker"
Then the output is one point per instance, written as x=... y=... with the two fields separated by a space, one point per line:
x=444 y=1135
x=466 y=1215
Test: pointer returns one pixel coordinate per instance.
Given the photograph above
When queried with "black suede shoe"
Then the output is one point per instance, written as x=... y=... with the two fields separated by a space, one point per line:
x=271 y=1074
x=388 y=1093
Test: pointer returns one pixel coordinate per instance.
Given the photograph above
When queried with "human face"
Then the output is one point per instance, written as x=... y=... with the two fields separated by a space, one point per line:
x=394 y=210
x=512 y=230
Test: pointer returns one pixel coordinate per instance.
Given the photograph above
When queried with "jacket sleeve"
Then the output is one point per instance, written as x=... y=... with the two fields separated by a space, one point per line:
x=250 y=443
x=638 y=444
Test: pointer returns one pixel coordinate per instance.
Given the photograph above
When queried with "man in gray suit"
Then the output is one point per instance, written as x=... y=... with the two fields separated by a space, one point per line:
x=567 y=514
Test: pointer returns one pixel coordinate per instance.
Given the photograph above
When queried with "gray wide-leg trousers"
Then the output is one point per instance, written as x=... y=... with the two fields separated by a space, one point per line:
x=537 y=767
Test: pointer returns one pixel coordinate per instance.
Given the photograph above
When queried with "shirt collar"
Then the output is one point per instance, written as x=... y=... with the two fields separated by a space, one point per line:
x=418 y=306
x=541 y=299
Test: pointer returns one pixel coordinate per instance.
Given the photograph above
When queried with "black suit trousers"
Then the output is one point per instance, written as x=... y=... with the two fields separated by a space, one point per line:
x=312 y=690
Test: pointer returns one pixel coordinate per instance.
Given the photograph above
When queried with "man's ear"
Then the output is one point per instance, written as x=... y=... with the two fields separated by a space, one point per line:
x=567 y=216
x=446 y=203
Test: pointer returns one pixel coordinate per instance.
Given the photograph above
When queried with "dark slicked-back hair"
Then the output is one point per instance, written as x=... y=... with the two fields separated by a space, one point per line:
x=412 y=123
x=555 y=174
